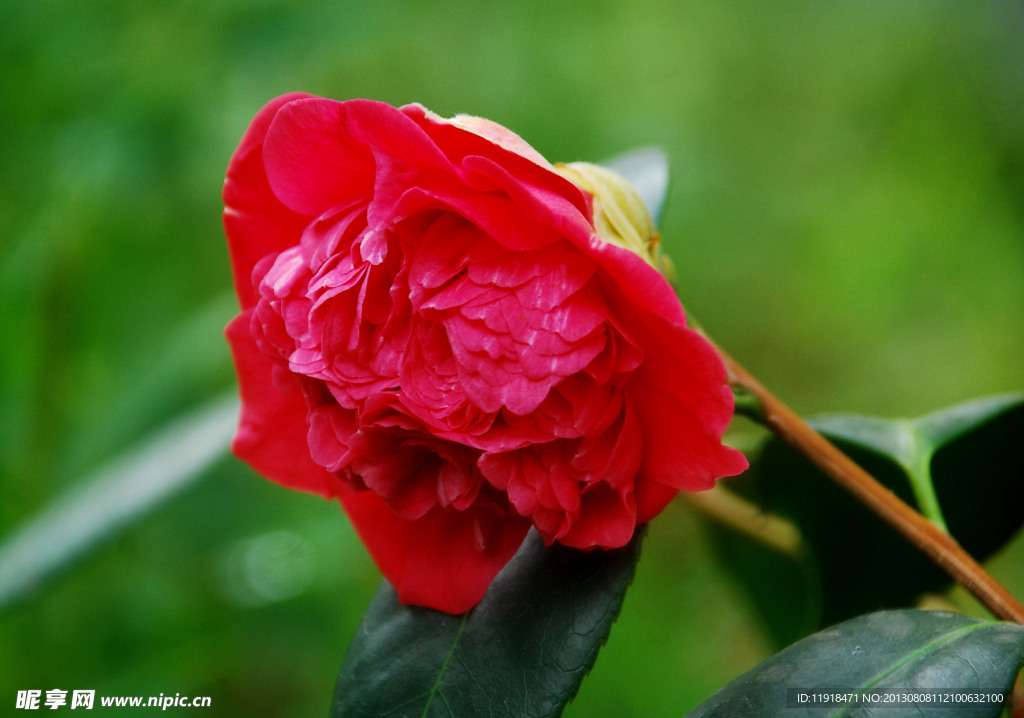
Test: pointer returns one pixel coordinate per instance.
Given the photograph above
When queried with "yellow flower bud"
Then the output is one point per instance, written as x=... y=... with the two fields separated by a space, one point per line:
x=620 y=216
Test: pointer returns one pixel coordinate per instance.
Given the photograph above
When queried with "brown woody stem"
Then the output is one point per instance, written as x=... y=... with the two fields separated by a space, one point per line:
x=939 y=546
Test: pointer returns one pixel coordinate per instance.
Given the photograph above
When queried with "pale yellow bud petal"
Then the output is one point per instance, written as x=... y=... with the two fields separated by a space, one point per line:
x=620 y=216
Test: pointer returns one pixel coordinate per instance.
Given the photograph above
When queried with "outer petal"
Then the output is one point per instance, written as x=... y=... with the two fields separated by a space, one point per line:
x=640 y=284
x=320 y=153
x=272 y=429
x=491 y=157
x=679 y=391
x=540 y=196
x=607 y=519
x=255 y=221
x=464 y=132
x=444 y=560
x=651 y=499
x=499 y=135
x=682 y=408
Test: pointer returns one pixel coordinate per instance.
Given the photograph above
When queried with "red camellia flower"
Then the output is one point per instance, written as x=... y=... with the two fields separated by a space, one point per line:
x=455 y=339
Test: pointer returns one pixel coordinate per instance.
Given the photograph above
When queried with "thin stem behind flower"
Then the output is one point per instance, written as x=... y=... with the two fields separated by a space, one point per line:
x=938 y=545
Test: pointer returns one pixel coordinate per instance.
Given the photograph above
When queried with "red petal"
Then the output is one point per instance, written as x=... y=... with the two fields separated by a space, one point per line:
x=320 y=153
x=651 y=499
x=444 y=560
x=681 y=398
x=607 y=519
x=679 y=391
x=272 y=429
x=255 y=221
x=487 y=129
x=467 y=140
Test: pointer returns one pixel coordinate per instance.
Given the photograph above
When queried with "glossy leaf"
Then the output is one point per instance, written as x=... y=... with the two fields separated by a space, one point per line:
x=970 y=455
x=524 y=650
x=878 y=660
x=647 y=171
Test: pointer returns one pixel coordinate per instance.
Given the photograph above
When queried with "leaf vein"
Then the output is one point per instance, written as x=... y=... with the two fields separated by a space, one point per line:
x=947 y=638
x=436 y=688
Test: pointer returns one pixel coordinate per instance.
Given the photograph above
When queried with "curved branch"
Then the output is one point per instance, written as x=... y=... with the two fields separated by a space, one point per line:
x=939 y=546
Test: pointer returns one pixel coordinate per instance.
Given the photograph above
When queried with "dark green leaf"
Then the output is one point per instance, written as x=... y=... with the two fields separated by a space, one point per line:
x=943 y=427
x=937 y=656
x=522 y=651
x=647 y=171
x=970 y=456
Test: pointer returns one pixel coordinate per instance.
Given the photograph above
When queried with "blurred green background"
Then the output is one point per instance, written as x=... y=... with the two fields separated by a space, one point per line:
x=846 y=217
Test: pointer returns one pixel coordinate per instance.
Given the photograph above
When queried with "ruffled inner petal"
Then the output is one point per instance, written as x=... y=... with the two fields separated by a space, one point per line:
x=579 y=492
